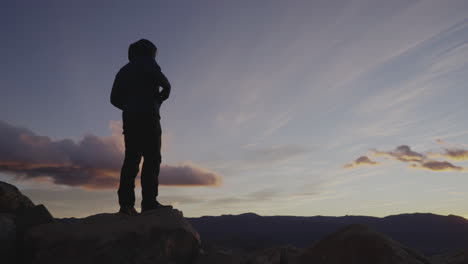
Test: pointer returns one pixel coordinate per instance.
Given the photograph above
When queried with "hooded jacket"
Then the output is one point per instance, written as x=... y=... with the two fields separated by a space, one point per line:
x=136 y=86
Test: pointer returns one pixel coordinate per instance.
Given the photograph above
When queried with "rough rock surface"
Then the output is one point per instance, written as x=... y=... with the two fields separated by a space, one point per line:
x=12 y=200
x=276 y=255
x=357 y=244
x=219 y=255
x=451 y=258
x=7 y=238
x=17 y=214
x=157 y=236
x=30 y=217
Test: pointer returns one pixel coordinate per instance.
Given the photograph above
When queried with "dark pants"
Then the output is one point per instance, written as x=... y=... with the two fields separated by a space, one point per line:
x=142 y=133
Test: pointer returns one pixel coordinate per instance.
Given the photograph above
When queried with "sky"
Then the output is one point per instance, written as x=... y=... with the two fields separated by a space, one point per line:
x=277 y=107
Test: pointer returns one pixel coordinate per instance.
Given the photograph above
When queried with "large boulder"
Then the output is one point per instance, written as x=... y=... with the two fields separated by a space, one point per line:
x=7 y=238
x=357 y=244
x=31 y=217
x=460 y=257
x=12 y=200
x=275 y=255
x=220 y=255
x=17 y=215
x=156 y=236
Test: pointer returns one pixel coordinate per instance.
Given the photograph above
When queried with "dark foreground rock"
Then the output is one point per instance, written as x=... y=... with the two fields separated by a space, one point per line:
x=8 y=238
x=158 y=236
x=17 y=214
x=357 y=244
x=276 y=255
x=29 y=234
x=460 y=257
x=221 y=255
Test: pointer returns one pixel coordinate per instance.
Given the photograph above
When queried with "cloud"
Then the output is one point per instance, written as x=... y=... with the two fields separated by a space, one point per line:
x=188 y=175
x=451 y=151
x=93 y=162
x=401 y=153
x=363 y=160
x=438 y=166
x=63 y=174
x=417 y=160
x=456 y=154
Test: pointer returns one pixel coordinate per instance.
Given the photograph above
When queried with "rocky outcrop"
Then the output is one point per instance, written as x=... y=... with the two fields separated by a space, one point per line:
x=460 y=257
x=29 y=234
x=276 y=255
x=12 y=200
x=221 y=255
x=357 y=244
x=17 y=215
x=157 y=236
x=7 y=238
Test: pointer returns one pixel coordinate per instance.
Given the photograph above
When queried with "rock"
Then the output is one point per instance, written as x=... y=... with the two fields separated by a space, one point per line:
x=216 y=256
x=460 y=257
x=357 y=244
x=157 y=236
x=30 y=217
x=12 y=200
x=17 y=213
x=7 y=238
x=276 y=255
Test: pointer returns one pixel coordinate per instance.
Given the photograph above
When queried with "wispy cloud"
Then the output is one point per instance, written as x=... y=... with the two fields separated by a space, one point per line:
x=268 y=195
x=276 y=153
x=255 y=157
x=94 y=162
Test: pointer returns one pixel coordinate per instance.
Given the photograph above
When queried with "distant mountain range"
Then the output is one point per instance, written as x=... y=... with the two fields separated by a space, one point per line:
x=428 y=233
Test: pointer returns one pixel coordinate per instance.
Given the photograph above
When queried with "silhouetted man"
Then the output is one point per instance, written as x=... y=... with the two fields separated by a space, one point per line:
x=136 y=91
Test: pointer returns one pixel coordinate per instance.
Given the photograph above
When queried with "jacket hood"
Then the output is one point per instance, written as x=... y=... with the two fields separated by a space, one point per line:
x=141 y=48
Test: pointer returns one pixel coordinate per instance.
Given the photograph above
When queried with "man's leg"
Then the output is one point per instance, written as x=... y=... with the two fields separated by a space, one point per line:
x=131 y=163
x=149 y=181
x=151 y=165
x=128 y=173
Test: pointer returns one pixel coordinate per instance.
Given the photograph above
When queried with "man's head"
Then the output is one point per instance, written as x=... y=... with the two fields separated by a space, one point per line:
x=141 y=48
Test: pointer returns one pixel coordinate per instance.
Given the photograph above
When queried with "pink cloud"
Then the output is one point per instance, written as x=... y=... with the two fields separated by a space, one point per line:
x=93 y=162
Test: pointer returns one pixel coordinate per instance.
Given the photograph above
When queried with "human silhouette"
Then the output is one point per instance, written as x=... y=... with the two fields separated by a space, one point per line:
x=136 y=91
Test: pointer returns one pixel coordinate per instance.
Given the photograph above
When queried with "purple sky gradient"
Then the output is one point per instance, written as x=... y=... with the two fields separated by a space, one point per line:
x=275 y=97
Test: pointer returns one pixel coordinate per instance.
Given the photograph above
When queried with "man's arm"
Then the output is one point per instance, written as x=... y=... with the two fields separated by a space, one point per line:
x=117 y=94
x=166 y=88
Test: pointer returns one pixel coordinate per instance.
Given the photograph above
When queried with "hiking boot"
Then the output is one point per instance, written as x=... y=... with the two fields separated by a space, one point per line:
x=155 y=205
x=128 y=210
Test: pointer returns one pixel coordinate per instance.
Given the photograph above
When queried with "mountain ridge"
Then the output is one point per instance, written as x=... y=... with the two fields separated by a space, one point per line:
x=427 y=232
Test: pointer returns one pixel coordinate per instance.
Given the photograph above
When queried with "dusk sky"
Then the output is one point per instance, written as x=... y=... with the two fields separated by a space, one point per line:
x=277 y=107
